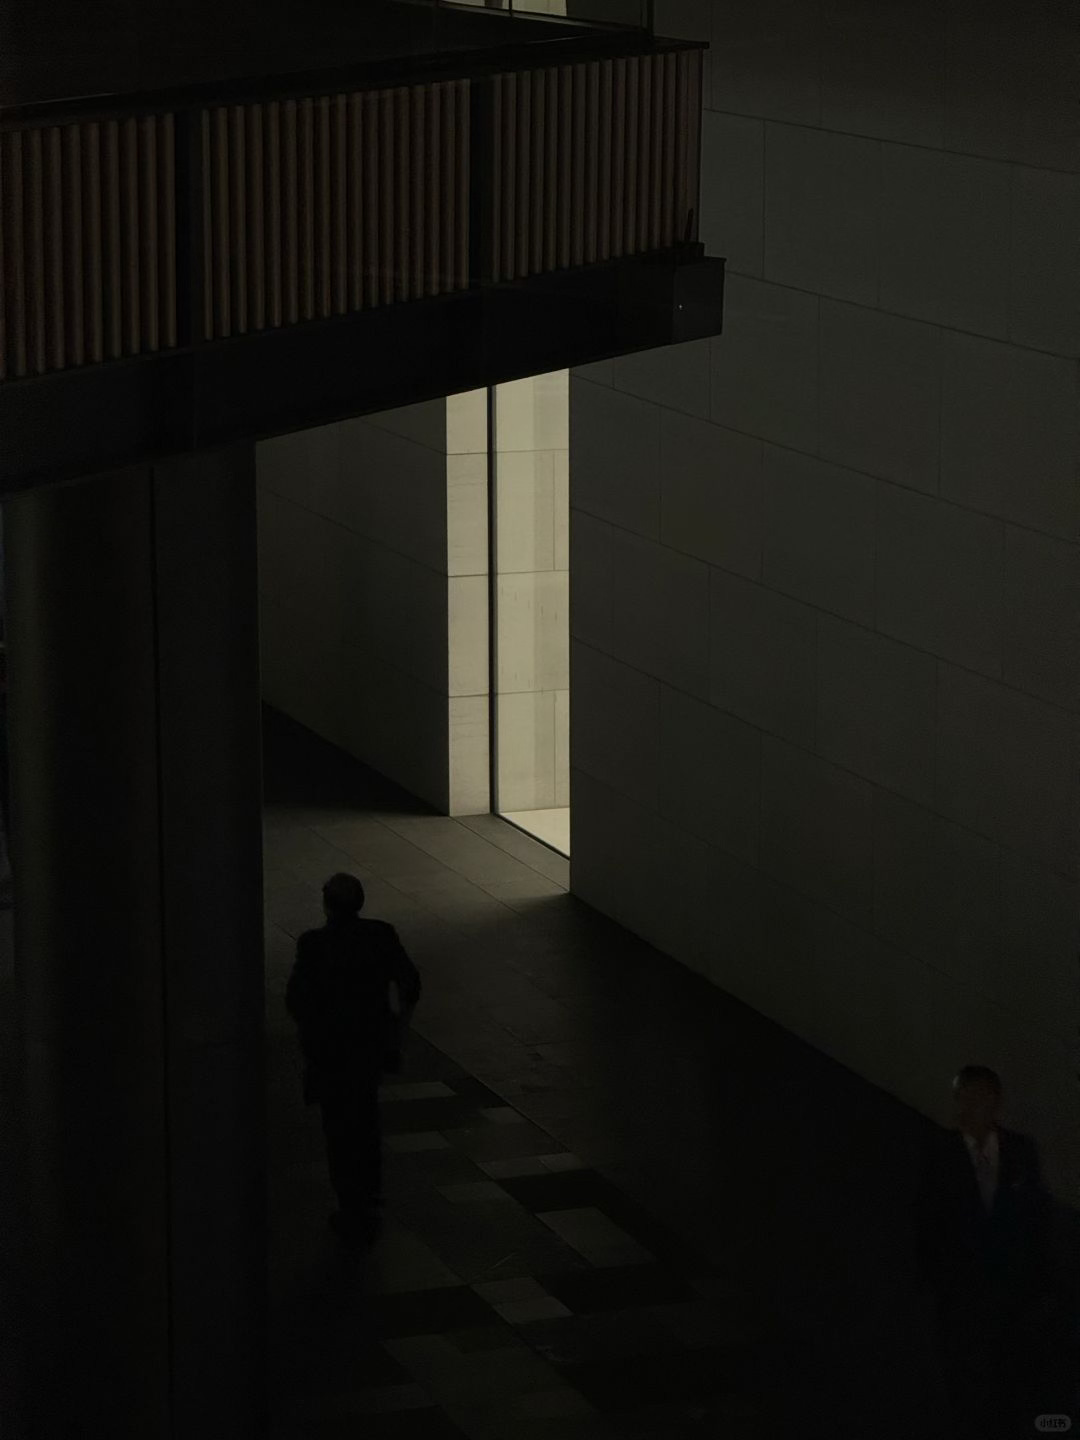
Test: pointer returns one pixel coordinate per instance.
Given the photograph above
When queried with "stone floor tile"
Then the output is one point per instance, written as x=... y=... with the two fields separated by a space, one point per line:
x=588 y=1291
x=499 y=1142
x=439 y=1113
x=390 y=1397
x=599 y=1020
x=402 y=1262
x=412 y=1142
x=565 y=1160
x=593 y=1235
x=472 y=1338
x=503 y=1115
x=429 y=1312
x=513 y=1169
x=524 y=1312
x=478 y=1192
x=423 y=1090
x=498 y=1292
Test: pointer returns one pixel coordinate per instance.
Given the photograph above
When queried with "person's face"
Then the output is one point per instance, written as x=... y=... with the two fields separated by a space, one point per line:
x=977 y=1108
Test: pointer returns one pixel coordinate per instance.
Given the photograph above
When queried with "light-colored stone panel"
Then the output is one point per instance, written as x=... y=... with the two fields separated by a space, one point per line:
x=560 y=476
x=937 y=890
x=526 y=751
x=1040 y=943
x=1009 y=767
x=601 y=372
x=881 y=394
x=396 y=609
x=1042 y=616
x=599 y=815
x=945 y=238
x=525 y=511
x=301 y=467
x=562 y=747
x=819 y=533
x=590 y=580
x=397 y=724
x=615 y=725
x=710 y=774
x=1011 y=91
x=876 y=708
x=766 y=61
x=1044 y=277
x=467 y=423
x=711 y=498
x=765 y=365
x=531 y=414
x=733 y=190
x=682 y=19
x=468 y=601
x=675 y=376
x=615 y=445
x=822 y=197
x=470 y=760
x=882 y=69
x=763 y=657
x=533 y=631
x=817 y=828
x=939 y=578
x=393 y=490
x=1008 y=433
x=660 y=612
x=423 y=423
x=466 y=514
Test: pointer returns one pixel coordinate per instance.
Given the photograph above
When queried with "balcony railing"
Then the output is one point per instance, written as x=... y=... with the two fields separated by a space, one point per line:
x=124 y=235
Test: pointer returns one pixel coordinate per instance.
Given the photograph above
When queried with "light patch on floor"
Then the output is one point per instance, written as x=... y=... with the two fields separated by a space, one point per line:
x=550 y=826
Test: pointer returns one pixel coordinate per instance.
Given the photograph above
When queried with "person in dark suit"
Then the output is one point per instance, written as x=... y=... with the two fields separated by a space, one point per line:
x=339 y=995
x=982 y=1238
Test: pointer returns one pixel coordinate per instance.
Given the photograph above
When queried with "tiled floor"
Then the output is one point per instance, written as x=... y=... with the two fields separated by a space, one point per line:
x=620 y=1204
x=550 y=826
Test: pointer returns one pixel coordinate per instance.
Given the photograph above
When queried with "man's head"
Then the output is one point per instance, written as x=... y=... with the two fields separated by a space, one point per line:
x=977 y=1100
x=342 y=895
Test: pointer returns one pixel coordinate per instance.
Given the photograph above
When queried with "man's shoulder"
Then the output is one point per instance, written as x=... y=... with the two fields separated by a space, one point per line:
x=377 y=929
x=310 y=942
x=1018 y=1145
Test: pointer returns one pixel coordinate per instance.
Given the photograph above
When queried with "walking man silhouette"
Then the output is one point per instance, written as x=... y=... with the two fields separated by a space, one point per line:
x=339 y=995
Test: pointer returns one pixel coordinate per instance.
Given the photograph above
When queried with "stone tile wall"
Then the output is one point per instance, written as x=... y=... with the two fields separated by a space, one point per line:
x=826 y=567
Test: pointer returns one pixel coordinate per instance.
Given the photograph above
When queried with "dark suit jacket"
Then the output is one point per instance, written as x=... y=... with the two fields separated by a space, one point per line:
x=339 y=996
x=963 y=1248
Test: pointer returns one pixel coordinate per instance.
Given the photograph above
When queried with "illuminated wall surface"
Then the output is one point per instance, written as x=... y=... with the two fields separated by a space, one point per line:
x=825 y=568
x=374 y=592
x=532 y=509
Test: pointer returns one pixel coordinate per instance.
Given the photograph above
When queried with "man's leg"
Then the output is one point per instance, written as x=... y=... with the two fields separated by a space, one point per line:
x=340 y=1152
x=352 y=1128
x=369 y=1146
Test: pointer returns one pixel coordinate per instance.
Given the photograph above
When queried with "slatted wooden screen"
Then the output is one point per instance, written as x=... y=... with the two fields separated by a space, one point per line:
x=593 y=161
x=87 y=243
x=322 y=206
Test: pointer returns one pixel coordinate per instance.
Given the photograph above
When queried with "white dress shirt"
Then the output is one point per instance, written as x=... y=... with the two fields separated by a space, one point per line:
x=986 y=1160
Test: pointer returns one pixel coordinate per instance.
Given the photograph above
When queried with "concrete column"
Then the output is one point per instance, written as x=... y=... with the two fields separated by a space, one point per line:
x=134 y=721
